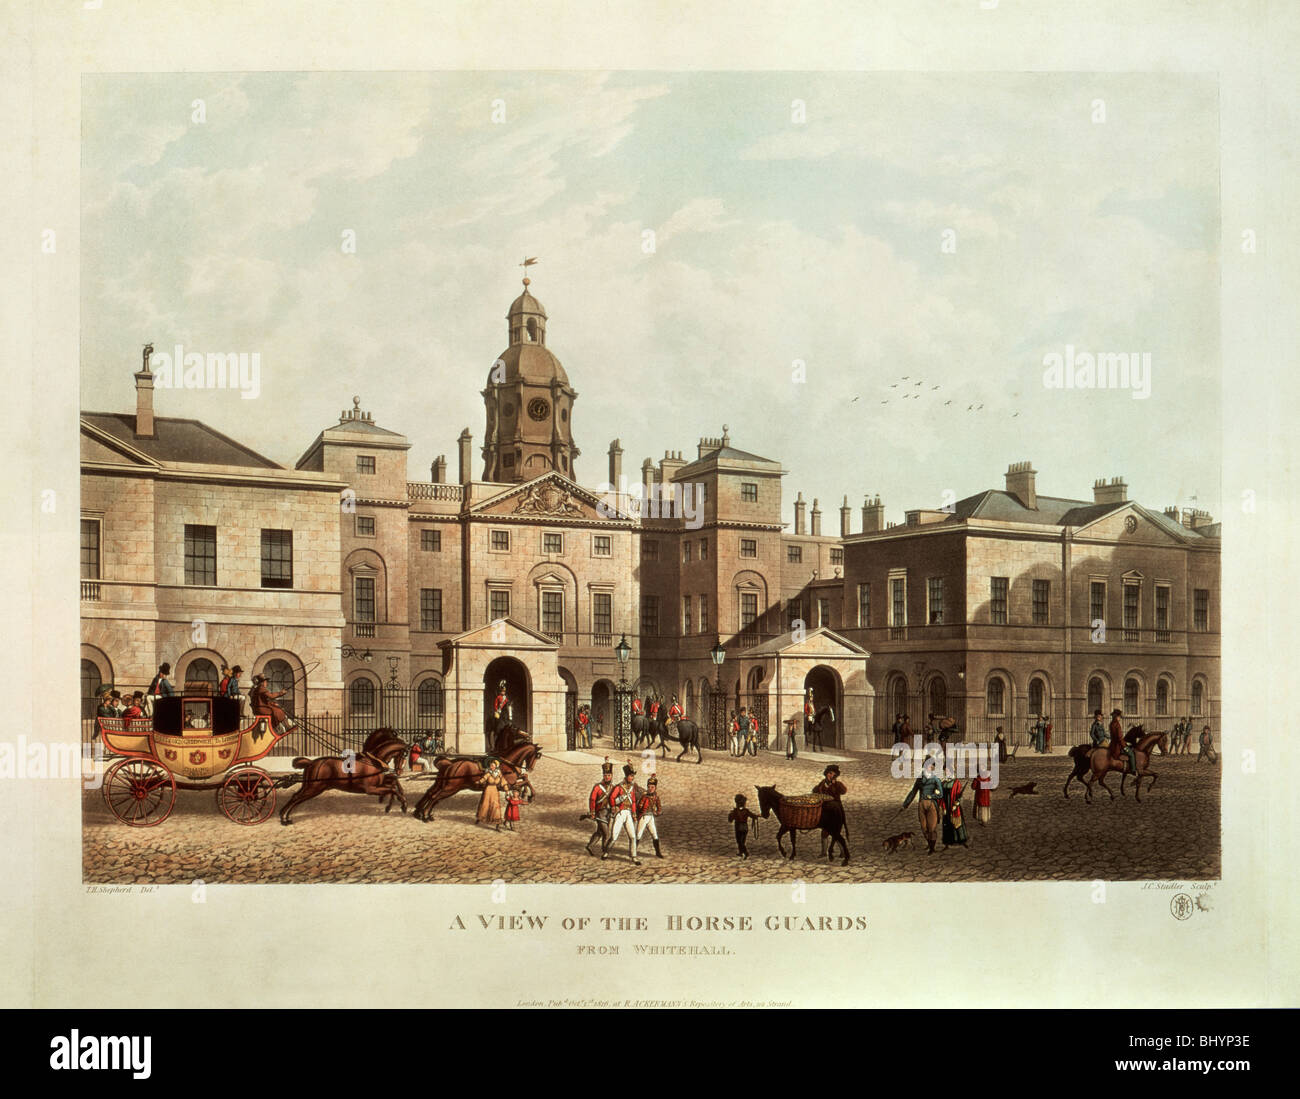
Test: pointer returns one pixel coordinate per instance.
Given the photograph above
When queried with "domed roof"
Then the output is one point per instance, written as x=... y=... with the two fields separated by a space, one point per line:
x=530 y=362
x=526 y=303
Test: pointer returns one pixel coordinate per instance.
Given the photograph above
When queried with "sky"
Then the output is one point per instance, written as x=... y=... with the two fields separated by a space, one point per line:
x=881 y=229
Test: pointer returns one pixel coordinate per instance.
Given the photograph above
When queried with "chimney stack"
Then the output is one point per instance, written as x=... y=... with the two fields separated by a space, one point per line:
x=799 y=507
x=873 y=515
x=1020 y=484
x=1201 y=519
x=816 y=518
x=672 y=462
x=439 y=470
x=846 y=518
x=465 y=440
x=144 y=398
x=1114 y=491
x=615 y=465
x=647 y=482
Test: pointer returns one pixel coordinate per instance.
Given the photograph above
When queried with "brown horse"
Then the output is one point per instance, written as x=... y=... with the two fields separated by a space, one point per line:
x=366 y=772
x=507 y=739
x=1093 y=764
x=457 y=773
x=829 y=817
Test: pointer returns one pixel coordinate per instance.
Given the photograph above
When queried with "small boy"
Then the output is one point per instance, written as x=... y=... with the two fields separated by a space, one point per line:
x=740 y=816
x=1207 y=747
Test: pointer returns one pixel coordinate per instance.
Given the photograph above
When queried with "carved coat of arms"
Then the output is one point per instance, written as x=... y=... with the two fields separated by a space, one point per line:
x=547 y=499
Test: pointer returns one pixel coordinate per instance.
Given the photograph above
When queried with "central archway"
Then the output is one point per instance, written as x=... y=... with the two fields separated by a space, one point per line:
x=827 y=691
x=517 y=690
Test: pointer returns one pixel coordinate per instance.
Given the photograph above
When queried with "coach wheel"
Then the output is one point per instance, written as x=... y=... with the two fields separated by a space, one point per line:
x=139 y=792
x=247 y=796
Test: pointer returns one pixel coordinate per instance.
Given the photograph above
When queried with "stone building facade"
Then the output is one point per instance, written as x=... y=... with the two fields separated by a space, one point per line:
x=988 y=611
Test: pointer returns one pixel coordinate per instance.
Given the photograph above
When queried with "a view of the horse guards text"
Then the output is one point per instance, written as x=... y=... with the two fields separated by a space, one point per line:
x=537 y=665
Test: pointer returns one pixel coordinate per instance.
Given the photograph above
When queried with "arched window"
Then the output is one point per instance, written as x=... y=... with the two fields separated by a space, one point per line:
x=938 y=696
x=1162 y=698
x=532 y=330
x=279 y=677
x=997 y=697
x=688 y=703
x=429 y=699
x=898 y=695
x=361 y=698
x=202 y=671
x=1094 y=695
x=1130 y=697
x=1198 y=697
x=90 y=684
x=1036 y=692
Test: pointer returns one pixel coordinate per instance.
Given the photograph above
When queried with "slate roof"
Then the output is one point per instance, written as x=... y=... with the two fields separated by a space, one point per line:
x=179 y=440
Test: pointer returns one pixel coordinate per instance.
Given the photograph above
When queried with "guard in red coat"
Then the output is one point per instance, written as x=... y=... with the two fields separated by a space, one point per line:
x=598 y=807
x=675 y=711
x=638 y=707
x=648 y=809
x=501 y=701
x=654 y=708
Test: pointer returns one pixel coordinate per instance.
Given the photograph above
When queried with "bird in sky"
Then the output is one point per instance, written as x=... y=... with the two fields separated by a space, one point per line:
x=919 y=383
x=905 y=377
x=894 y=386
x=946 y=403
x=884 y=402
x=934 y=387
x=969 y=407
x=1014 y=415
x=854 y=399
x=981 y=406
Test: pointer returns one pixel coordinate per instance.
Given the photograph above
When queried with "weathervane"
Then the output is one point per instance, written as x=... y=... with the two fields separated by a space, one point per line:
x=528 y=262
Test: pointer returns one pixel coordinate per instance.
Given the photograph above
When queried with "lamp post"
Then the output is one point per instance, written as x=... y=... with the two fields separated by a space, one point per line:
x=718 y=730
x=349 y=653
x=622 y=698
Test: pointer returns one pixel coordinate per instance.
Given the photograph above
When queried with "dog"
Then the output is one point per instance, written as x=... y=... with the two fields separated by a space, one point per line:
x=893 y=843
x=1027 y=788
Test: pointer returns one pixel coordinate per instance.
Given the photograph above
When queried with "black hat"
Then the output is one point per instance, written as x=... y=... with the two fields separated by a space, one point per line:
x=236 y=670
x=652 y=781
x=1116 y=713
x=628 y=770
x=607 y=767
x=1097 y=712
x=741 y=799
x=830 y=768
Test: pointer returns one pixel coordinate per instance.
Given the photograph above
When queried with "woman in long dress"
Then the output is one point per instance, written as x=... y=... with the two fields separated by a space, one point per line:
x=492 y=782
x=954 y=825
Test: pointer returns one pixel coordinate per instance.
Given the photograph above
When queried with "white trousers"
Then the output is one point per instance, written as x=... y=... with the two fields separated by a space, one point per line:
x=624 y=819
x=647 y=821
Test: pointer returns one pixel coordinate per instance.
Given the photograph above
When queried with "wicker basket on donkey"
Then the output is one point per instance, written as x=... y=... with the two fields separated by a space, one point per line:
x=800 y=811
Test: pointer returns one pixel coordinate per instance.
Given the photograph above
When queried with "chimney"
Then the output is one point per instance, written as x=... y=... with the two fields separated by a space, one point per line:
x=799 y=506
x=873 y=515
x=846 y=518
x=144 y=398
x=1020 y=483
x=672 y=462
x=439 y=470
x=1114 y=491
x=465 y=440
x=615 y=465
x=1170 y=512
x=1201 y=519
x=647 y=481
x=816 y=518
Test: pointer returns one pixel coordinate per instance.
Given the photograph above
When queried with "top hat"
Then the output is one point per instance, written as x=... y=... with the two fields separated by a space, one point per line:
x=236 y=670
x=1097 y=712
x=831 y=768
x=259 y=679
x=1116 y=713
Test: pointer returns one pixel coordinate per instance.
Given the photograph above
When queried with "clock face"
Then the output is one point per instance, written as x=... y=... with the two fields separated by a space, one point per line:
x=538 y=409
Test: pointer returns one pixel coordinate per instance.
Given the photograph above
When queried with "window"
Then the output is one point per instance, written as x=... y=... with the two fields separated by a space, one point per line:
x=431 y=541
x=501 y=540
x=1094 y=695
x=552 y=543
x=90 y=549
x=429 y=699
x=90 y=684
x=938 y=696
x=686 y=615
x=363 y=599
x=749 y=492
x=823 y=612
x=365 y=464
x=277 y=558
x=794 y=612
x=704 y=614
x=1131 y=696
x=601 y=545
x=704 y=549
x=1198 y=697
x=279 y=678
x=508 y=460
x=361 y=698
x=650 y=614
x=1162 y=698
x=686 y=553
x=934 y=596
x=553 y=612
x=1201 y=609
x=430 y=609
x=1097 y=601
x=201 y=555
x=1036 y=692
x=1042 y=592
x=1162 y=613
x=864 y=605
x=748 y=547
x=898 y=602
x=602 y=613
x=996 y=700
x=649 y=549
x=794 y=554
x=499 y=603
x=1132 y=595
x=365 y=527
x=837 y=555
x=998 y=599
x=748 y=608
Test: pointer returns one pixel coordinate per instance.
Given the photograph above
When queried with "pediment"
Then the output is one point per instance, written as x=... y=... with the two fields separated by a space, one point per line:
x=99 y=446
x=820 y=642
x=552 y=497
x=504 y=634
x=1132 y=523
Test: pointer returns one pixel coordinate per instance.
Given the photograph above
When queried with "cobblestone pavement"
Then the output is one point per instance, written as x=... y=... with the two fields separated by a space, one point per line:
x=1173 y=833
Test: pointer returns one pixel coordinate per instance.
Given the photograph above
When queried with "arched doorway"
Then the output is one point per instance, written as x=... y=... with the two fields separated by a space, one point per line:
x=91 y=681
x=570 y=707
x=515 y=676
x=938 y=697
x=756 y=701
x=602 y=708
x=825 y=686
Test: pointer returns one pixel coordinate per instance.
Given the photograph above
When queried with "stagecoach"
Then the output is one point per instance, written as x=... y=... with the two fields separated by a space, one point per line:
x=191 y=742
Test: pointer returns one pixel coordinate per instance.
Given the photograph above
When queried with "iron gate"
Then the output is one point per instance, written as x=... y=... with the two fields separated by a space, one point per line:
x=758 y=711
x=403 y=710
x=570 y=720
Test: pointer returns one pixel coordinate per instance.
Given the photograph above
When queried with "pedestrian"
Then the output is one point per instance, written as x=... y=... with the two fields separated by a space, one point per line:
x=492 y=782
x=982 y=784
x=1001 y=741
x=649 y=810
x=907 y=729
x=1187 y=736
x=929 y=788
x=954 y=826
x=1039 y=735
x=831 y=787
x=741 y=818
x=623 y=802
x=598 y=807
x=791 y=747
x=600 y=725
x=584 y=733
x=1207 y=747
x=733 y=740
x=897 y=729
x=1047 y=734
x=749 y=733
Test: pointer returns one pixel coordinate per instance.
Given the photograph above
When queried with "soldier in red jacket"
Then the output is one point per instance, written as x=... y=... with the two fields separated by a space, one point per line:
x=623 y=802
x=654 y=708
x=501 y=701
x=598 y=807
x=675 y=711
x=648 y=809
x=638 y=707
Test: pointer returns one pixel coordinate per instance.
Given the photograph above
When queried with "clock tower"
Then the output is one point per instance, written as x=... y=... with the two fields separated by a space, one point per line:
x=529 y=403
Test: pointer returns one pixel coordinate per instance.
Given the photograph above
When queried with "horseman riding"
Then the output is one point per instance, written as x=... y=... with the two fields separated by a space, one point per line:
x=1118 y=745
